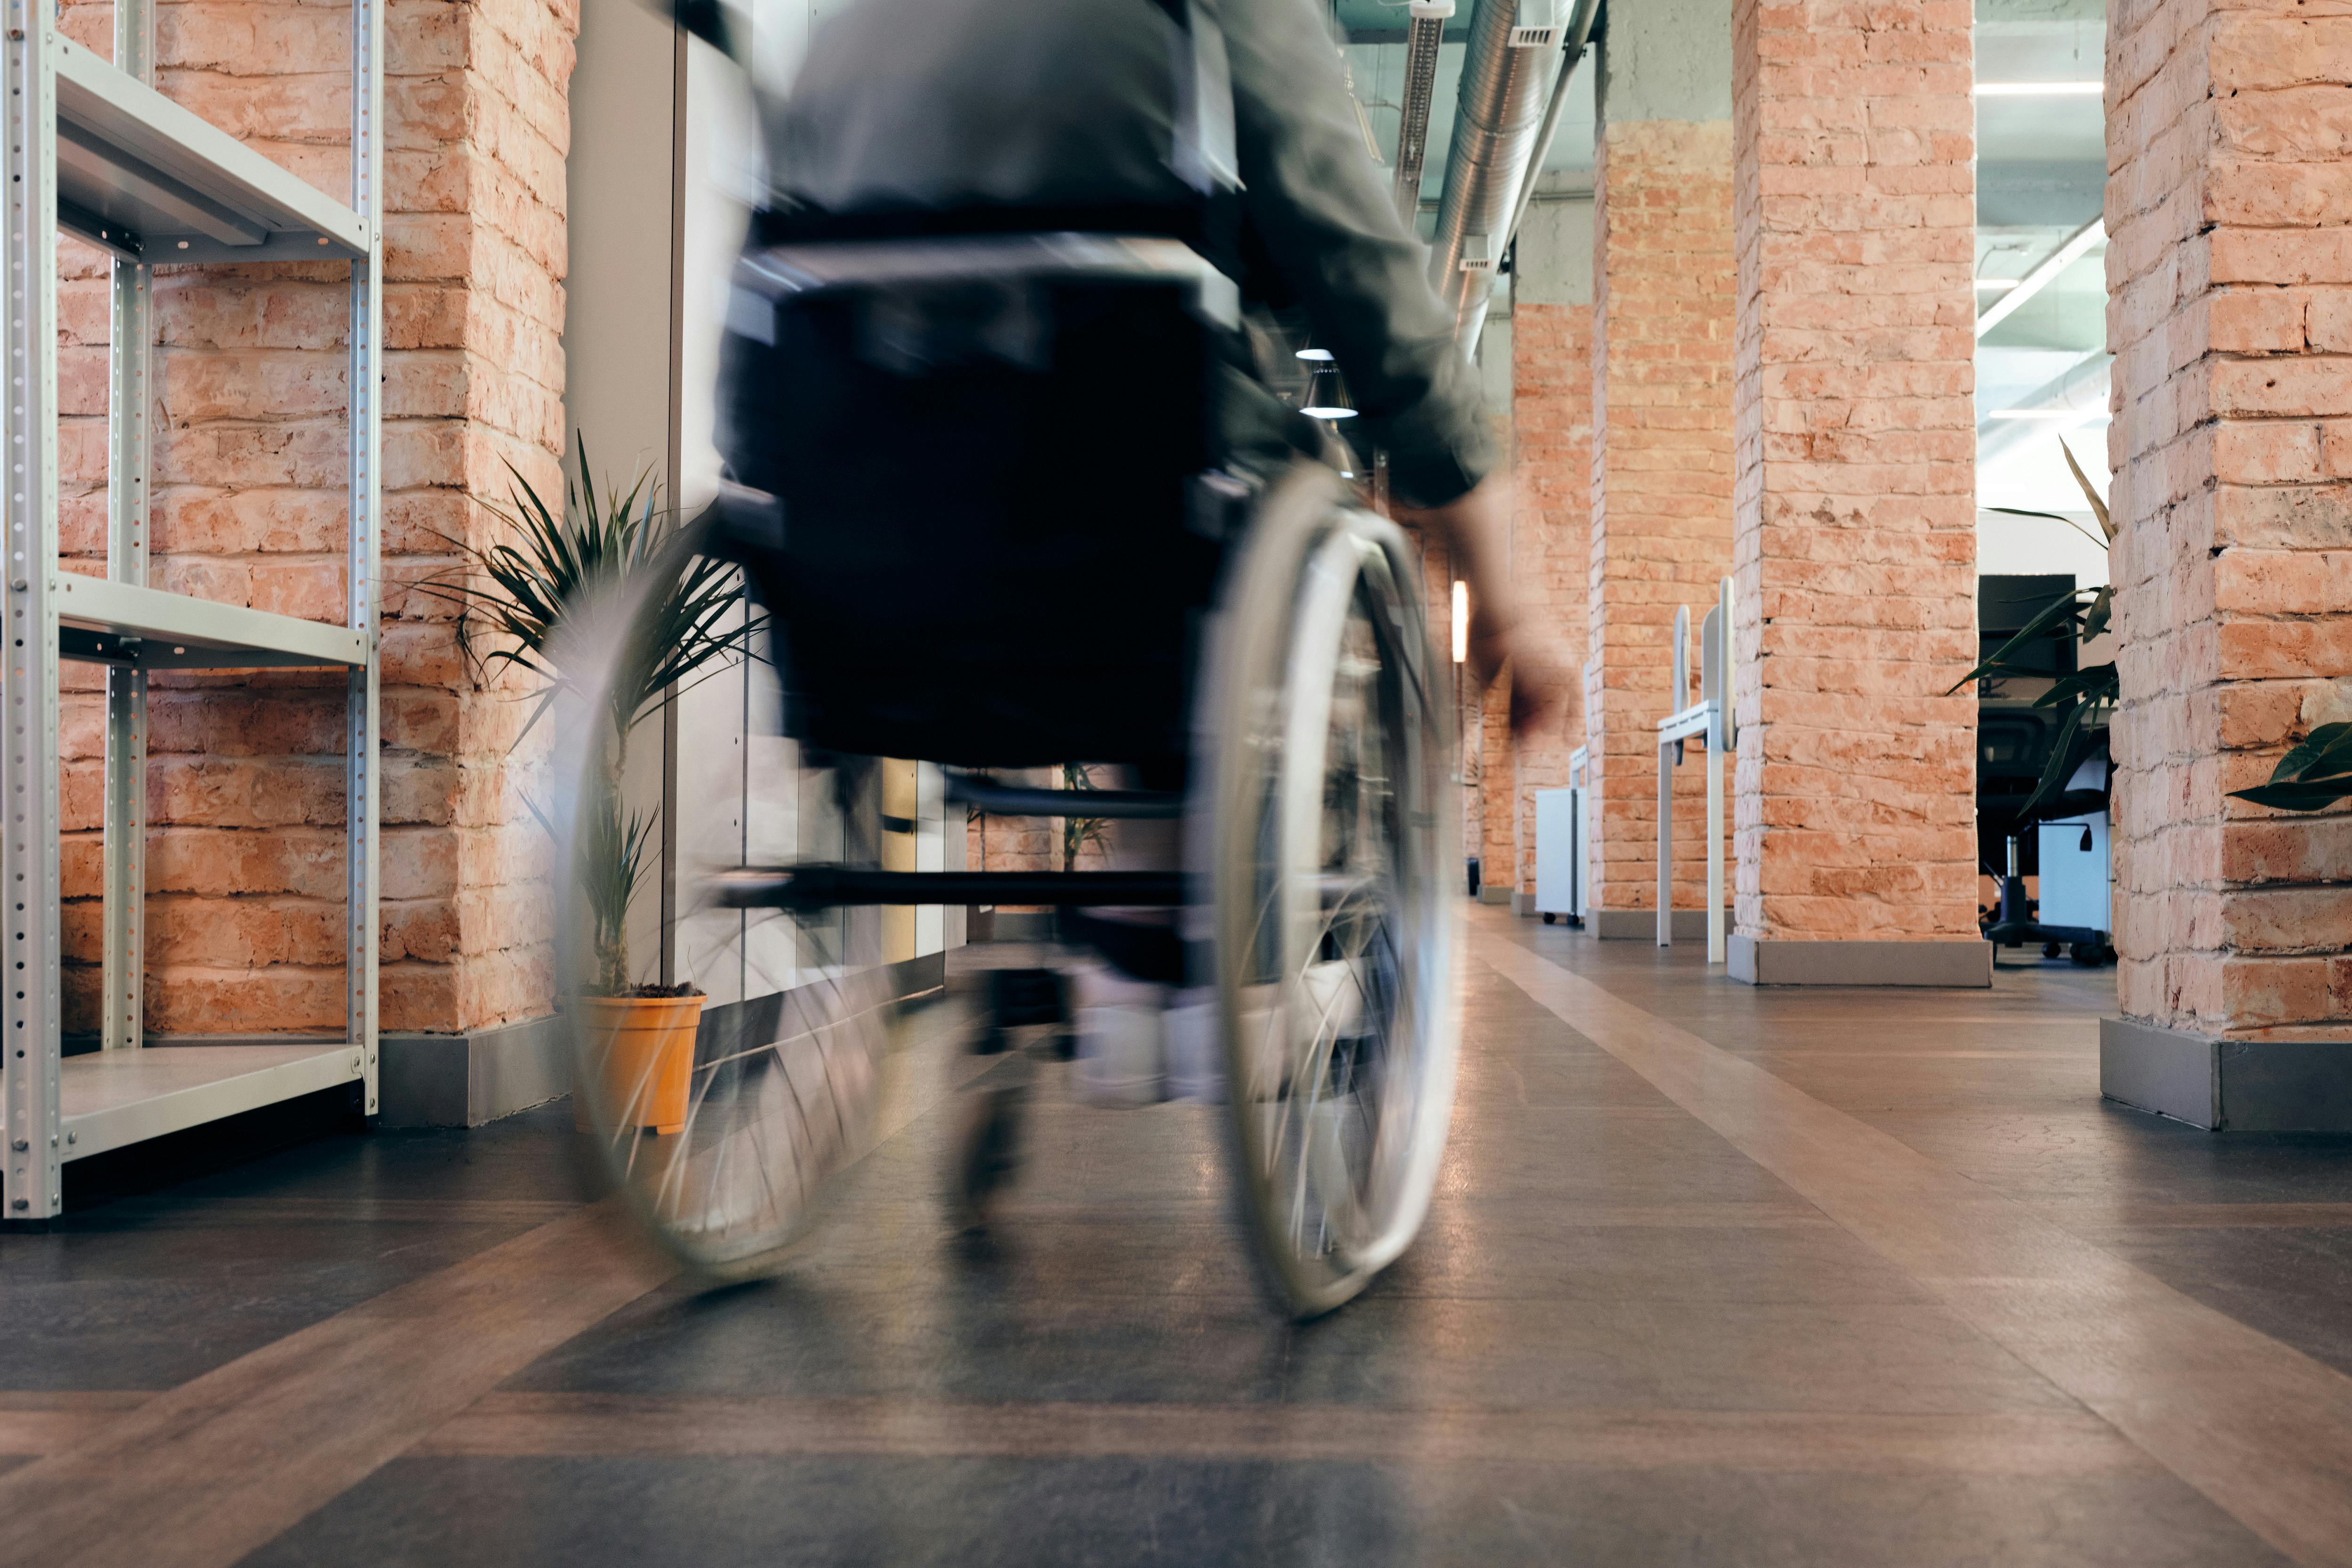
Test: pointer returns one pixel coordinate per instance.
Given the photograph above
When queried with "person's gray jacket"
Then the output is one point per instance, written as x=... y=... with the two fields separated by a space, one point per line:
x=959 y=104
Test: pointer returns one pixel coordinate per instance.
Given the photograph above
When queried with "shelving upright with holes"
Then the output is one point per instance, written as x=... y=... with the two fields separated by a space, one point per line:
x=93 y=151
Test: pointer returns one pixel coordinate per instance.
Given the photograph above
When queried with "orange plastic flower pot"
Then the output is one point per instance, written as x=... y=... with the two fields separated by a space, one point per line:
x=642 y=1050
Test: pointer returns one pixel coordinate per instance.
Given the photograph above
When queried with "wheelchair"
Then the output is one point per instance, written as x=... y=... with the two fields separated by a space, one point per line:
x=975 y=511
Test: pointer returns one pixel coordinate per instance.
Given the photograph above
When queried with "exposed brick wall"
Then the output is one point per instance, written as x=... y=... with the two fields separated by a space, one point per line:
x=1552 y=422
x=2230 y=286
x=1498 y=786
x=1856 y=429
x=245 y=781
x=1661 y=475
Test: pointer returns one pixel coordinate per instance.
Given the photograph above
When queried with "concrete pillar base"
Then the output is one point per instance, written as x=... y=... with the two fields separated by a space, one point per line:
x=1642 y=925
x=2228 y=1086
x=1966 y=963
x=464 y=1081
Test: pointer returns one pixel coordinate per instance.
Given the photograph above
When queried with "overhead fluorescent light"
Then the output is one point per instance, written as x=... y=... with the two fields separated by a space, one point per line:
x=2039 y=88
x=2078 y=244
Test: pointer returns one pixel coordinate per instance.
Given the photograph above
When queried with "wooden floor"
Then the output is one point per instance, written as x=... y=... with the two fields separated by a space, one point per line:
x=1714 y=1275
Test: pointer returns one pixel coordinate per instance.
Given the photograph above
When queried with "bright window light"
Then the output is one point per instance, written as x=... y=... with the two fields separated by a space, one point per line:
x=1461 y=622
x=2078 y=244
x=2039 y=88
x=1997 y=282
x=2076 y=415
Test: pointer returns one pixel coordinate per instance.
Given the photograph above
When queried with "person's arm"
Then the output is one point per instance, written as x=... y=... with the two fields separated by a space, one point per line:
x=1323 y=213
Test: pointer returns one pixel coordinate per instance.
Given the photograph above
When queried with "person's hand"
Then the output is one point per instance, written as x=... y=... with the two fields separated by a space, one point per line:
x=1471 y=529
x=1540 y=674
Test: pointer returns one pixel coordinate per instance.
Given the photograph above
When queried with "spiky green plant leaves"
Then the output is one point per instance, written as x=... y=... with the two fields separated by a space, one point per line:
x=512 y=595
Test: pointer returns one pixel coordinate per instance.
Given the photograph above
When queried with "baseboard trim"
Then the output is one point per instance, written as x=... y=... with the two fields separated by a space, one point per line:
x=1493 y=893
x=1642 y=925
x=1012 y=925
x=2227 y=1086
x=465 y=1080
x=1966 y=964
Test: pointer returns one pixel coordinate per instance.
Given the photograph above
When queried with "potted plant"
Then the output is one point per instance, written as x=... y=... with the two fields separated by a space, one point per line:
x=510 y=595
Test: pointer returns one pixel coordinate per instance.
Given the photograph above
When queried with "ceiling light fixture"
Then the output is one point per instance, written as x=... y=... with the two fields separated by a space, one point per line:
x=2078 y=244
x=2039 y=88
x=1326 y=397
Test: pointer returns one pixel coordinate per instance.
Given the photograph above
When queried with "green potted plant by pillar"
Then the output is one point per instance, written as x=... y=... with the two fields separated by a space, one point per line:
x=510 y=595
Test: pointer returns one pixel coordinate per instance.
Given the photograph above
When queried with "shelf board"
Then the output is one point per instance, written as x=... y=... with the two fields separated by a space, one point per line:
x=116 y=623
x=148 y=179
x=110 y=1099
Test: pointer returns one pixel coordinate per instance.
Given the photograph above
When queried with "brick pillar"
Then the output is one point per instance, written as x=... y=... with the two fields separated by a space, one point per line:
x=1497 y=803
x=2229 y=283
x=1856 y=535
x=245 y=779
x=1551 y=419
x=475 y=258
x=1662 y=450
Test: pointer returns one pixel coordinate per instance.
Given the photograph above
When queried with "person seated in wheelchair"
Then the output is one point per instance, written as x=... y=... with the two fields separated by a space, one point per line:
x=994 y=540
x=1225 y=126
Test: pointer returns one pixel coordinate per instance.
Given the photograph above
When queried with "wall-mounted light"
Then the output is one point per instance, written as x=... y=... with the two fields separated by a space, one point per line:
x=1461 y=621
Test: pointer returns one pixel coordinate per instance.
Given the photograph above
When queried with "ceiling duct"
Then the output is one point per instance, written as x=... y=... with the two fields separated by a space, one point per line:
x=1425 y=30
x=1499 y=130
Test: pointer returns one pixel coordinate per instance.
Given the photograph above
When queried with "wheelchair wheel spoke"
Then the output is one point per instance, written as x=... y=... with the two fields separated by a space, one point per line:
x=775 y=1107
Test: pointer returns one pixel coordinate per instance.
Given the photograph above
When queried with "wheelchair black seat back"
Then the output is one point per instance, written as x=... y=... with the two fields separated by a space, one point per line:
x=987 y=549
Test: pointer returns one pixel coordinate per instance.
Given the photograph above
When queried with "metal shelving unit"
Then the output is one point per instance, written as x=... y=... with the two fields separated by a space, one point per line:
x=93 y=151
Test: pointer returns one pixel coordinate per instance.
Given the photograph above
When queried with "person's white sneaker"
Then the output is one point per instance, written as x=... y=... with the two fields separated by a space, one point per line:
x=1117 y=1023
x=1196 y=1059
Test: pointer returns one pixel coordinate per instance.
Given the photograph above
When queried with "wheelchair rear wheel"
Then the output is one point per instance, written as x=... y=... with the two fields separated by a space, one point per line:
x=781 y=1092
x=1326 y=825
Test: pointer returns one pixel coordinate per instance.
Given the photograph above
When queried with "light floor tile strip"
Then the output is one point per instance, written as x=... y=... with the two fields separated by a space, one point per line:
x=2036 y=1443
x=2262 y=1429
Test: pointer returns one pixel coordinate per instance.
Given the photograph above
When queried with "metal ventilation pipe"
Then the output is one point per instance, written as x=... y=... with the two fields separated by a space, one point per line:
x=1424 y=31
x=1494 y=138
x=1513 y=43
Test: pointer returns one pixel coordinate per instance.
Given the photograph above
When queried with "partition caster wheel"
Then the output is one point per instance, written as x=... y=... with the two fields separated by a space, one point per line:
x=2052 y=949
x=987 y=1155
x=1550 y=917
